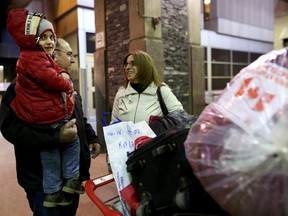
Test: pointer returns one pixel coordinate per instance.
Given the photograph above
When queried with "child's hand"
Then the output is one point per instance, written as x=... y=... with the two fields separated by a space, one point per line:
x=65 y=75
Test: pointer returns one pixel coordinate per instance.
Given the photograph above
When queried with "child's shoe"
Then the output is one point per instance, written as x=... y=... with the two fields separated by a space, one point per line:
x=73 y=185
x=57 y=199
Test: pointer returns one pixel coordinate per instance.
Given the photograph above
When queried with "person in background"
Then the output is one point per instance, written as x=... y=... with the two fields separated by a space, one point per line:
x=138 y=100
x=63 y=56
x=30 y=139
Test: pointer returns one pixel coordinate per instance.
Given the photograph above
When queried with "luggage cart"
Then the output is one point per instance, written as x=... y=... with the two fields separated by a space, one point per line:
x=110 y=207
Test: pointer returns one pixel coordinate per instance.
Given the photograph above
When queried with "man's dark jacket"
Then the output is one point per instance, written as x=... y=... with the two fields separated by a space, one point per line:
x=28 y=140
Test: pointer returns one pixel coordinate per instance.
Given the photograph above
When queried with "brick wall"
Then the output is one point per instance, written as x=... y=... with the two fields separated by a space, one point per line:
x=176 y=47
x=117 y=33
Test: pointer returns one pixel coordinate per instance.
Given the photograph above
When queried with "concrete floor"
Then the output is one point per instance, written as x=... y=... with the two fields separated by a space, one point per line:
x=13 y=200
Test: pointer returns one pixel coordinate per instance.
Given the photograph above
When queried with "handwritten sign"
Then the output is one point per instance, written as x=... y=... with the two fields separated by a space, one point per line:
x=119 y=140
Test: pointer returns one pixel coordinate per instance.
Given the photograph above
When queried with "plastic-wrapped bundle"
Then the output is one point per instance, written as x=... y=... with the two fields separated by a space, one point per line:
x=238 y=147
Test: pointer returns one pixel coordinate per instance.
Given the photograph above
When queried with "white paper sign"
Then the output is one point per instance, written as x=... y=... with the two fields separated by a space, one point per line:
x=119 y=139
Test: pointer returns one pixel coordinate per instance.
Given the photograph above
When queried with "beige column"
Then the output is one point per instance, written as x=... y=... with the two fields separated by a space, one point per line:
x=99 y=66
x=144 y=34
x=196 y=56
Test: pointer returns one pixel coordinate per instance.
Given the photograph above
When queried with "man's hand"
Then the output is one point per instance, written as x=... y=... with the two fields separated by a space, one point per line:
x=68 y=132
x=95 y=149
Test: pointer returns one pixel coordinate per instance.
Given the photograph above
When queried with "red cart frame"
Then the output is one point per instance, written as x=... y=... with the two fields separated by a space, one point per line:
x=90 y=187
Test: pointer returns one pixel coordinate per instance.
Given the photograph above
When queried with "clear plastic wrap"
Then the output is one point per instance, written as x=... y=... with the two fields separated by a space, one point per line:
x=238 y=147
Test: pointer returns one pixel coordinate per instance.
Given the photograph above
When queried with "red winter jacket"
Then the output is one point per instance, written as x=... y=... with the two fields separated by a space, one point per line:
x=39 y=82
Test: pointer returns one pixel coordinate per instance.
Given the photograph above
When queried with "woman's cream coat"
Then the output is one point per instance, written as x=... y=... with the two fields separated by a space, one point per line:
x=129 y=105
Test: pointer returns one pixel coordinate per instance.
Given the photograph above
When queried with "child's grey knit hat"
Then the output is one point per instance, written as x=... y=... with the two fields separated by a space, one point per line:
x=45 y=25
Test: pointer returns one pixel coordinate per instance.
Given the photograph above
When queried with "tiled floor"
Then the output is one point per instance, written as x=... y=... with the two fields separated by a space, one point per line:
x=12 y=197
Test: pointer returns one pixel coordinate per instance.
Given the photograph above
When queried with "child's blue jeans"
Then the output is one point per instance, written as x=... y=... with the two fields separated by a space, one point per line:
x=59 y=163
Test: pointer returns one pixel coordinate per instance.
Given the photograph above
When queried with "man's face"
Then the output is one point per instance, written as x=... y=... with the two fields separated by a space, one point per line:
x=64 y=57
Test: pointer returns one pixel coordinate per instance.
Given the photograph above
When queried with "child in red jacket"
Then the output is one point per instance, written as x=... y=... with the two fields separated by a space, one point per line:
x=44 y=95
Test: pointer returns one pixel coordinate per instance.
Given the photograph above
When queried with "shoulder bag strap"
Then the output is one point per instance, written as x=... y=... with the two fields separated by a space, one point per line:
x=161 y=101
x=103 y=118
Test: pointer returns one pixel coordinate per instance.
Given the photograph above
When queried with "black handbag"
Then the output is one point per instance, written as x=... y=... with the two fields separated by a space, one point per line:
x=160 y=124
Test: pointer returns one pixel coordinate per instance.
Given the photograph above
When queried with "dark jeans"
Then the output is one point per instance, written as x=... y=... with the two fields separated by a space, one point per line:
x=36 y=199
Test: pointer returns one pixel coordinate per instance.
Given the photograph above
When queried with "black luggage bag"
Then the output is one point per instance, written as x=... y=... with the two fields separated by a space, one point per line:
x=164 y=181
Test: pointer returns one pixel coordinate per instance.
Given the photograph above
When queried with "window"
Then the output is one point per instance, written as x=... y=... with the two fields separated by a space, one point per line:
x=220 y=55
x=237 y=68
x=241 y=57
x=221 y=70
x=90 y=42
x=224 y=65
x=254 y=56
x=206 y=4
x=220 y=83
